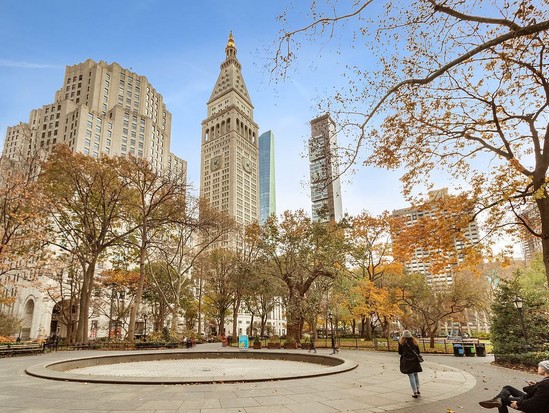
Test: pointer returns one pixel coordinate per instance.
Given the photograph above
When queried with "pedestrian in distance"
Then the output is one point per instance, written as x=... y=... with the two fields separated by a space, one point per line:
x=334 y=346
x=533 y=399
x=410 y=360
x=312 y=342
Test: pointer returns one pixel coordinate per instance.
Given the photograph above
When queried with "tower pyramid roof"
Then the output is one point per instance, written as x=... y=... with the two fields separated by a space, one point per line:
x=230 y=78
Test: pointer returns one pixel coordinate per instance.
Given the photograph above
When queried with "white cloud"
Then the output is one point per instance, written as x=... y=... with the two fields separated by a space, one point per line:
x=25 y=65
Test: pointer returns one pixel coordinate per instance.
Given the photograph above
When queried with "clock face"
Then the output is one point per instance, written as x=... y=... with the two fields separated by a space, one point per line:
x=247 y=165
x=215 y=163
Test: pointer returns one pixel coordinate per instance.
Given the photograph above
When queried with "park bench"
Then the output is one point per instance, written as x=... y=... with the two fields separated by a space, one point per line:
x=7 y=350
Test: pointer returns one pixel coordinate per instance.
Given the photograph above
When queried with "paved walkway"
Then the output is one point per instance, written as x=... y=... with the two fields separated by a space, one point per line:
x=448 y=384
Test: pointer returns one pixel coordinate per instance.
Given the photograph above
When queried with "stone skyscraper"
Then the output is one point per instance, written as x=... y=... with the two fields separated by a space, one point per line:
x=229 y=171
x=101 y=108
x=267 y=188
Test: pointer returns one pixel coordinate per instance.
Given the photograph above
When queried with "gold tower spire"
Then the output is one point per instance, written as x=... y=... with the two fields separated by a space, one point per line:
x=230 y=42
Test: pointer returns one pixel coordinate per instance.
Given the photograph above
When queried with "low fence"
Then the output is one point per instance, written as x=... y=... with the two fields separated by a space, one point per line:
x=442 y=346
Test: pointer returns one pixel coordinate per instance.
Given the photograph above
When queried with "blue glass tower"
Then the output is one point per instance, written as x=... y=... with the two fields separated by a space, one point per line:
x=267 y=195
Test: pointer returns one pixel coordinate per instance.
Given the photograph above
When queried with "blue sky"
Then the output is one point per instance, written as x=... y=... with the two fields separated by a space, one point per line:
x=178 y=46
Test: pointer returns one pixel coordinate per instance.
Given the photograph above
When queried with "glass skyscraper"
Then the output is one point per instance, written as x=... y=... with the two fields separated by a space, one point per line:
x=267 y=193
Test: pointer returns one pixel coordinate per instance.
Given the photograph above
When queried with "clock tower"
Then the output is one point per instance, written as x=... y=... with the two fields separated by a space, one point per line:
x=229 y=170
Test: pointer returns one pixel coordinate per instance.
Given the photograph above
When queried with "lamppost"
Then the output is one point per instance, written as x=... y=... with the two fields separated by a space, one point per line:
x=331 y=318
x=518 y=303
x=145 y=326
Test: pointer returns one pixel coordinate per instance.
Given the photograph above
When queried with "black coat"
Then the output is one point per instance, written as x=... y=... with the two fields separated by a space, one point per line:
x=536 y=399
x=408 y=360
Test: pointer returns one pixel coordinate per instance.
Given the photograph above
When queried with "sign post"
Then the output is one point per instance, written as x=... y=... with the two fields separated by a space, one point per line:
x=243 y=342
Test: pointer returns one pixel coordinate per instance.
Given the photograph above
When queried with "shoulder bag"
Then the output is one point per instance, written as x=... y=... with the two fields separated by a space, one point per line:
x=418 y=356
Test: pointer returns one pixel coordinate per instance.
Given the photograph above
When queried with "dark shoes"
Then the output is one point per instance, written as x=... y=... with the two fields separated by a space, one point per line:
x=415 y=395
x=492 y=403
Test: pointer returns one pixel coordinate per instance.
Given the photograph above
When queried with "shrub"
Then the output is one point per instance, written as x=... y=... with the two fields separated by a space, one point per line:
x=9 y=325
x=507 y=335
x=4 y=339
x=529 y=359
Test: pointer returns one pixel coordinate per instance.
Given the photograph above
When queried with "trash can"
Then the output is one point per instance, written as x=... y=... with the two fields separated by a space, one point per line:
x=458 y=350
x=469 y=349
x=481 y=349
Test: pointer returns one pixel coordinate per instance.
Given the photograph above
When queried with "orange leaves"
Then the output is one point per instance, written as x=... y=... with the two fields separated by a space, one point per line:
x=436 y=234
x=120 y=277
x=370 y=299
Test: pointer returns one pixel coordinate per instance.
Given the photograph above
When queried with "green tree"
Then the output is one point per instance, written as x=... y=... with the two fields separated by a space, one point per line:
x=508 y=336
x=448 y=85
x=301 y=251
x=429 y=305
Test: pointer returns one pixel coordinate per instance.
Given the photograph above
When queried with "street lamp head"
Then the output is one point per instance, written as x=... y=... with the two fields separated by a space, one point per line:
x=330 y=316
x=517 y=302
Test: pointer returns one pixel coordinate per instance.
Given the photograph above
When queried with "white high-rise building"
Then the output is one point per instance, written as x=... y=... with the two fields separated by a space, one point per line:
x=418 y=264
x=101 y=108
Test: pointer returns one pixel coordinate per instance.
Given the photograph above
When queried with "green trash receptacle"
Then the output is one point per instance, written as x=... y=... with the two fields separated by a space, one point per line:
x=469 y=349
x=458 y=350
x=481 y=349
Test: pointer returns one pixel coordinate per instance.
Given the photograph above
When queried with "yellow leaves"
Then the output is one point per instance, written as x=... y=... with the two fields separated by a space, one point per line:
x=435 y=233
x=120 y=277
x=370 y=299
x=540 y=193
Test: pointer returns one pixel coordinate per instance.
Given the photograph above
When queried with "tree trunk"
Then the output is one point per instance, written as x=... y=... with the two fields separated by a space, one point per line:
x=294 y=315
x=84 y=310
x=263 y=322
x=543 y=207
x=222 y=322
x=139 y=292
x=200 y=303
x=252 y=325
x=432 y=338
x=236 y=306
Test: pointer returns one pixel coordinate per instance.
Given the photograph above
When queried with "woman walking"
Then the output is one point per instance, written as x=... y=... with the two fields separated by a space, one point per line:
x=408 y=349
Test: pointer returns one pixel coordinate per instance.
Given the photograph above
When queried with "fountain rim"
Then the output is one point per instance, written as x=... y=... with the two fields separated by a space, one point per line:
x=57 y=370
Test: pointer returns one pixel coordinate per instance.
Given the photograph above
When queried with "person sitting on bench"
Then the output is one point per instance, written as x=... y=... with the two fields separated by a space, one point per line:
x=534 y=398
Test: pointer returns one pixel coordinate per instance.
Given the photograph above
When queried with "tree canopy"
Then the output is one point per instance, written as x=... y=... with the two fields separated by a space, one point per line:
x=448 y=86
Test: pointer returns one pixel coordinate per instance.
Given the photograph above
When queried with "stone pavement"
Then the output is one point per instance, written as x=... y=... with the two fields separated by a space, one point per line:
x=448 y=384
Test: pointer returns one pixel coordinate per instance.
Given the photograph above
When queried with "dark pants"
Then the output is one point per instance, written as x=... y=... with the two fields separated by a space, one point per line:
x=506 y=395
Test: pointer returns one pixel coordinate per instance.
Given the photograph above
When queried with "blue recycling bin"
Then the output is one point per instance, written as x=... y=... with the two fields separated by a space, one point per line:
x=458 y=350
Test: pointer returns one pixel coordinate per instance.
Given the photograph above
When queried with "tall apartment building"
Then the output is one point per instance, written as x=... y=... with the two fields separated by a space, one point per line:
x=411 y=215
x=324 y=170
x=101 y=108
x=267 y=187
x=229 y=171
